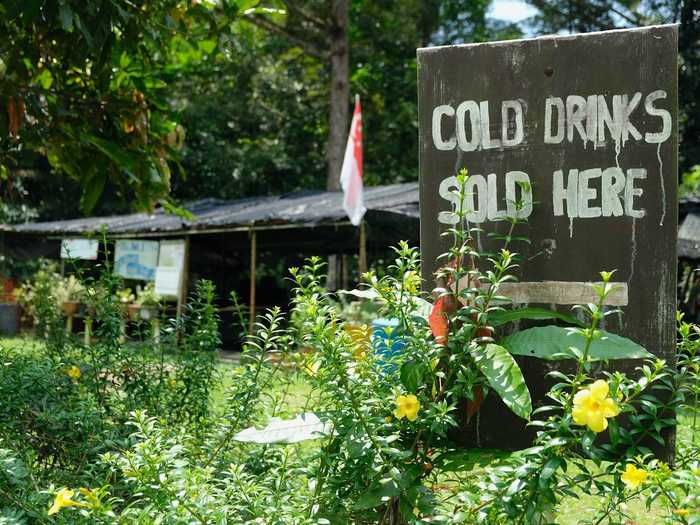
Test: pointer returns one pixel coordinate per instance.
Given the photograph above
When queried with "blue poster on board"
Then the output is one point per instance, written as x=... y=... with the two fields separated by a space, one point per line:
x=136 y=259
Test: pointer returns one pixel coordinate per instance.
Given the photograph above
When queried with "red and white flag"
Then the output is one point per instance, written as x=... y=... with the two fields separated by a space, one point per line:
x=351 y=174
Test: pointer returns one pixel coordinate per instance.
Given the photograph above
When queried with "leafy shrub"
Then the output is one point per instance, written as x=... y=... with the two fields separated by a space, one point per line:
x=116 y=432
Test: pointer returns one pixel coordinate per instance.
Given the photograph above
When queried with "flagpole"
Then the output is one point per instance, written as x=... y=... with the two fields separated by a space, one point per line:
x=362 y=258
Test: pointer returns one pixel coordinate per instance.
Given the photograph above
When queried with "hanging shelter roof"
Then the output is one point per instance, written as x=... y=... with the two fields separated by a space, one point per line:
x=393 y=205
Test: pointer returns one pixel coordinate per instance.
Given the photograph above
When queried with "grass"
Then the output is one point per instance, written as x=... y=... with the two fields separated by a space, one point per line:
x=294 y=395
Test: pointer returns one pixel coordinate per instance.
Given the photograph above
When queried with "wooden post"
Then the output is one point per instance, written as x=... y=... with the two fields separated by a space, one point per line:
x=362 y=259
x=253 y=268
x=155 y=330
x=332 y=274
x=184 y=279
x=122 y=329
x=88 y=330
x=345 y=278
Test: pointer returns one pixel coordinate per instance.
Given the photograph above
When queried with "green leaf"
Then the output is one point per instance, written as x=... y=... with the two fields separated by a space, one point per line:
x=112 y=150
x=535 y=314
x=505 y=377
x=412 y=375
x=377 y=494
x=548 y=470
x=66 y=16
x=554 y=342
x=92 y=189
x=172 y=208
x=207 y=45
x=44 y=79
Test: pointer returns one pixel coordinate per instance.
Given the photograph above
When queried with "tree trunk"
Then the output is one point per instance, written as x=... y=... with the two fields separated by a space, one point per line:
x=339 y=92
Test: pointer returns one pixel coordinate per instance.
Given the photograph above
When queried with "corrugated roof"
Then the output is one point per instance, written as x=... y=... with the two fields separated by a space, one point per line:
x=306 y=208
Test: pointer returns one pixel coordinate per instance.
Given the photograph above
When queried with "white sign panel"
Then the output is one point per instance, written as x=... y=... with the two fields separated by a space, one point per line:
x=172 y=254
x=79 y=249
x=171 y=261
x=136 y=259
x=168 y=281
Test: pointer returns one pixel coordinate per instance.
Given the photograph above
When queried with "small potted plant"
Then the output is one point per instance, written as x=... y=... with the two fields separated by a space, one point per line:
x=147 y=302
x=9 y=309
x=126 y=300
x=69 y=295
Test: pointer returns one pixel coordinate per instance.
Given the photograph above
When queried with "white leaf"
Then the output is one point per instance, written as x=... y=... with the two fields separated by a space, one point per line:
x=423 y=307
x=303 y=427
x=362 y=294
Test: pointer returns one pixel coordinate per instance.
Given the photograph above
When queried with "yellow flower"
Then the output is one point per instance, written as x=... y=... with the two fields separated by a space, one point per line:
x=681 y=512
x=311 y=367
x=592 y=406
x=73 y=372
x=361 y=337
x=407 y=406
x=411 y=281
x=63 y=499
x=633 y=476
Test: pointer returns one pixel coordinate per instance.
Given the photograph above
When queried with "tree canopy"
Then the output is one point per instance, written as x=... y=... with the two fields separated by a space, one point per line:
x=109 y=105
x=82 y=88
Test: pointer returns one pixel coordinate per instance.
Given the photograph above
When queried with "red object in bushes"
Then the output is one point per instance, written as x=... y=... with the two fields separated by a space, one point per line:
x=8 y=286
x=473 y=406
x=438 y=321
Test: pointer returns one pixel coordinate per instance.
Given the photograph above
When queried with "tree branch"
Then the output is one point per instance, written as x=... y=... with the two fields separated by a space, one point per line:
x=307 y=46
x=634 y=18
x=320 y=24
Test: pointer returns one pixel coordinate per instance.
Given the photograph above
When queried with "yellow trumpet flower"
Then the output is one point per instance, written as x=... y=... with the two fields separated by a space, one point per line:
x=633 y=476
x=63 y=499
x=593 y=407
x=407 y=406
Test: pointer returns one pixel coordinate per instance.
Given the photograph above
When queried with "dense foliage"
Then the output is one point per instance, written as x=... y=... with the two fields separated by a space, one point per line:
x=63 y=61
x=245 y=86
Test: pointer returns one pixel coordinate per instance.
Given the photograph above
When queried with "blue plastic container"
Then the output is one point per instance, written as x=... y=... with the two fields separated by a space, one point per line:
x=387 y=343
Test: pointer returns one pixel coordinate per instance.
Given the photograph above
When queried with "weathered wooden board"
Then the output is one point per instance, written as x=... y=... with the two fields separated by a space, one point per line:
x=589 y=122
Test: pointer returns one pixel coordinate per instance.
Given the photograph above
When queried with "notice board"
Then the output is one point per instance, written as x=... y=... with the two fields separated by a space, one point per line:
x=582 y=130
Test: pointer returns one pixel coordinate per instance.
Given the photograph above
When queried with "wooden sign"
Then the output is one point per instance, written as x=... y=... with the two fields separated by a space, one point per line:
x=580 y=130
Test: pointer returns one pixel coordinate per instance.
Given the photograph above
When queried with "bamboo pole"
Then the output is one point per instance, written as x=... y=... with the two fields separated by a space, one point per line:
x=362 y=259
x=253 y=268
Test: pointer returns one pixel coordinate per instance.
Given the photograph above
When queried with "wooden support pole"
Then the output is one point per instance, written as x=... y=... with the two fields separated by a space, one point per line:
x=88 y=330
x=362 y=259
x=345 y=277
x=155 y=329
x=253 y=268
x=184 y=279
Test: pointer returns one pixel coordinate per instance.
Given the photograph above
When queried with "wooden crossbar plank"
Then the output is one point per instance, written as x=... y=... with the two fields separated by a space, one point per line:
x=562 y=292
